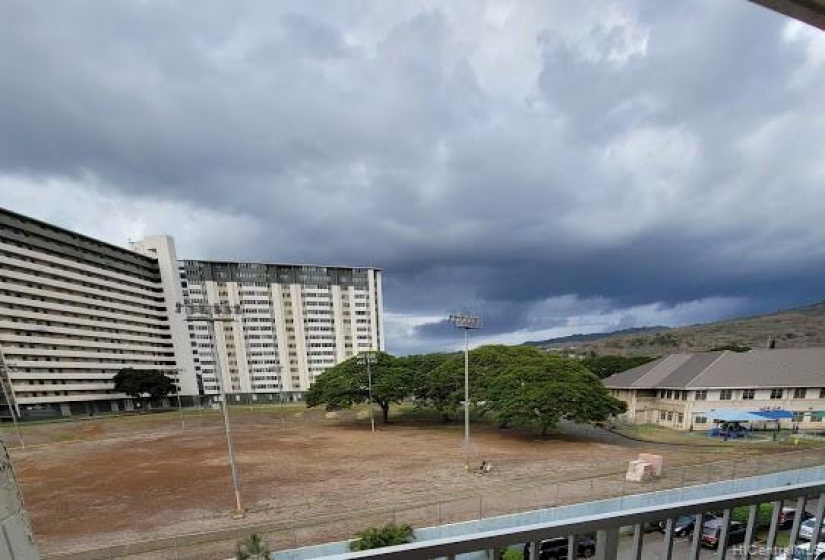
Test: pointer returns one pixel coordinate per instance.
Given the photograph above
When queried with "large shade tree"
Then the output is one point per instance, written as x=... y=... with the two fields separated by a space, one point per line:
x=443 y=387
x=347 y=384
x=516 y=385
x=144 y=384
x=542 y=394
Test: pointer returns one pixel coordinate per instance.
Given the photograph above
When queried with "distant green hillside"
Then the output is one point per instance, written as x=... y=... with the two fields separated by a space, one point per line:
x=592 y=337
x=800 y=327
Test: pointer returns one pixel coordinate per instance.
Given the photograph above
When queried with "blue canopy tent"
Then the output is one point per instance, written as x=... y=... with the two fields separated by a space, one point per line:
x=729 y=420
x=725 y=415
x=773 y=414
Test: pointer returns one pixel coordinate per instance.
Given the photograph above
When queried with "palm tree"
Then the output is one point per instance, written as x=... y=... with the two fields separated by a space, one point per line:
x=252 y=547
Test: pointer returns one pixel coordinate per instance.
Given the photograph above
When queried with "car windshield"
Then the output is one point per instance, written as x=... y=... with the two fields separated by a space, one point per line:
x=709 y=530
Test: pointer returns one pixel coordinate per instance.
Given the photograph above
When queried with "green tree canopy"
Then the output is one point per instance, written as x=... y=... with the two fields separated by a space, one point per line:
x=540 y=395
x=443 y=387
x=347 y=383
x=605 y=366
x=144 y=384
x=517 y=385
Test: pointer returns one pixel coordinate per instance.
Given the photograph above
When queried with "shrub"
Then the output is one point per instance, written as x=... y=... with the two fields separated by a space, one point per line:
x=377 y=537
x=763 y=514
x=252 y=548
x=510 y=554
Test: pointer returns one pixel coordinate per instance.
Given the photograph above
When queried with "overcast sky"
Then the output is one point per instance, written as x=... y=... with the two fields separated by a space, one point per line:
x=554 y=166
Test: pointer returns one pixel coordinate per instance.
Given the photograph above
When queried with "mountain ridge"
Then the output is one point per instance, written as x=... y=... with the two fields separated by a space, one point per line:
x=796 y=327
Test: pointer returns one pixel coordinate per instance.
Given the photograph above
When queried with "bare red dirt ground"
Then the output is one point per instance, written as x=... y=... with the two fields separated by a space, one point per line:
x=101 y=482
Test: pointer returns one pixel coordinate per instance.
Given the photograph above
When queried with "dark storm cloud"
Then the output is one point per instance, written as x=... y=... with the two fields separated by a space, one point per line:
x=531 y=164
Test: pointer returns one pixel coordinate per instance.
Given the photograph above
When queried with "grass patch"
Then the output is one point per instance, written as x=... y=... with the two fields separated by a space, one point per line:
x=660 y=434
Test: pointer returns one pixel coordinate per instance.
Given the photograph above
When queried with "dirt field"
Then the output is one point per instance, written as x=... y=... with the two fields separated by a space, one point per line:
x=98 y=482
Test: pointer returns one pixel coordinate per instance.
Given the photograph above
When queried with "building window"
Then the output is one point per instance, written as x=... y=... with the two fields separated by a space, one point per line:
x=662 y=415
x=799 y=393
x=798 y=417
x=748 y=394
x=725 y=395
x=816 y=417
x=701 y=420
x=701 y=395
x=680 y=417
x=777 y=393
x=670 y=416
x=669 y=394
x=822 y=393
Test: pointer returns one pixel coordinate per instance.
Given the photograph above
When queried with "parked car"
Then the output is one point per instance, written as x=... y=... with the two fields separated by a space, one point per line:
x=801 y=552
x=806 y=530
x=787 y=515
x=556 y=548
x=683 y=525
x=712 y=531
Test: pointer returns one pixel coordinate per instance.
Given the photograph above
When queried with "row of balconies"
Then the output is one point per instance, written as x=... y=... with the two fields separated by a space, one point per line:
x=69 y=322
x=57 y=309
x=31 y=354
x=145 y=309
x=114 y=366
x=60 y=268
x=123 y=294
x=77 y=343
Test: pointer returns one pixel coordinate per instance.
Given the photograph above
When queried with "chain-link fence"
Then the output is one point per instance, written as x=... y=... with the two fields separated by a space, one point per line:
x=500 y=500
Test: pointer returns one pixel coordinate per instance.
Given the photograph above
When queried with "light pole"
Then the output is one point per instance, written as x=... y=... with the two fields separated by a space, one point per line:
x=466 y=322
x=368 y=358
x=180 y=408
x=13 y=409
x=210 y=314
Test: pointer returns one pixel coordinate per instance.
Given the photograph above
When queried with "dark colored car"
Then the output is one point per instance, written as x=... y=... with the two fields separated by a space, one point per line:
x=786 y=516
x=683 y=525
x=712 y=530
x=556 y=548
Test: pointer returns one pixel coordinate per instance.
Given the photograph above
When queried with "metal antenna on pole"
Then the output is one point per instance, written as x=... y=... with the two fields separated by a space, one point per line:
x=466 y=322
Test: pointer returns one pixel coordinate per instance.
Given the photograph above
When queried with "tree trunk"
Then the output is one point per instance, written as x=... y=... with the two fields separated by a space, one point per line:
x=385 y=411
x=544 y=431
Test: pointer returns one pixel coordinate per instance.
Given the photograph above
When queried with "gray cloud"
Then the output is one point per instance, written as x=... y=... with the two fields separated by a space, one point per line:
x=549 y=166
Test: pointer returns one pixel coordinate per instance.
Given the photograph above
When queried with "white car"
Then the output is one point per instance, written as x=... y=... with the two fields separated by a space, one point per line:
x=802 y=552
x=806 y=530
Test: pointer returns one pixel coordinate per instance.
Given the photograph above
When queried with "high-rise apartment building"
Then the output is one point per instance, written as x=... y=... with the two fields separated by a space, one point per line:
x=74 y=311
x=292 y=322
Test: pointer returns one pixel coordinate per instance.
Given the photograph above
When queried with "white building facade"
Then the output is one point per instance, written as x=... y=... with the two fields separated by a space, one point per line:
x=74 y=311
x=690 y=391
x=292 y=323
